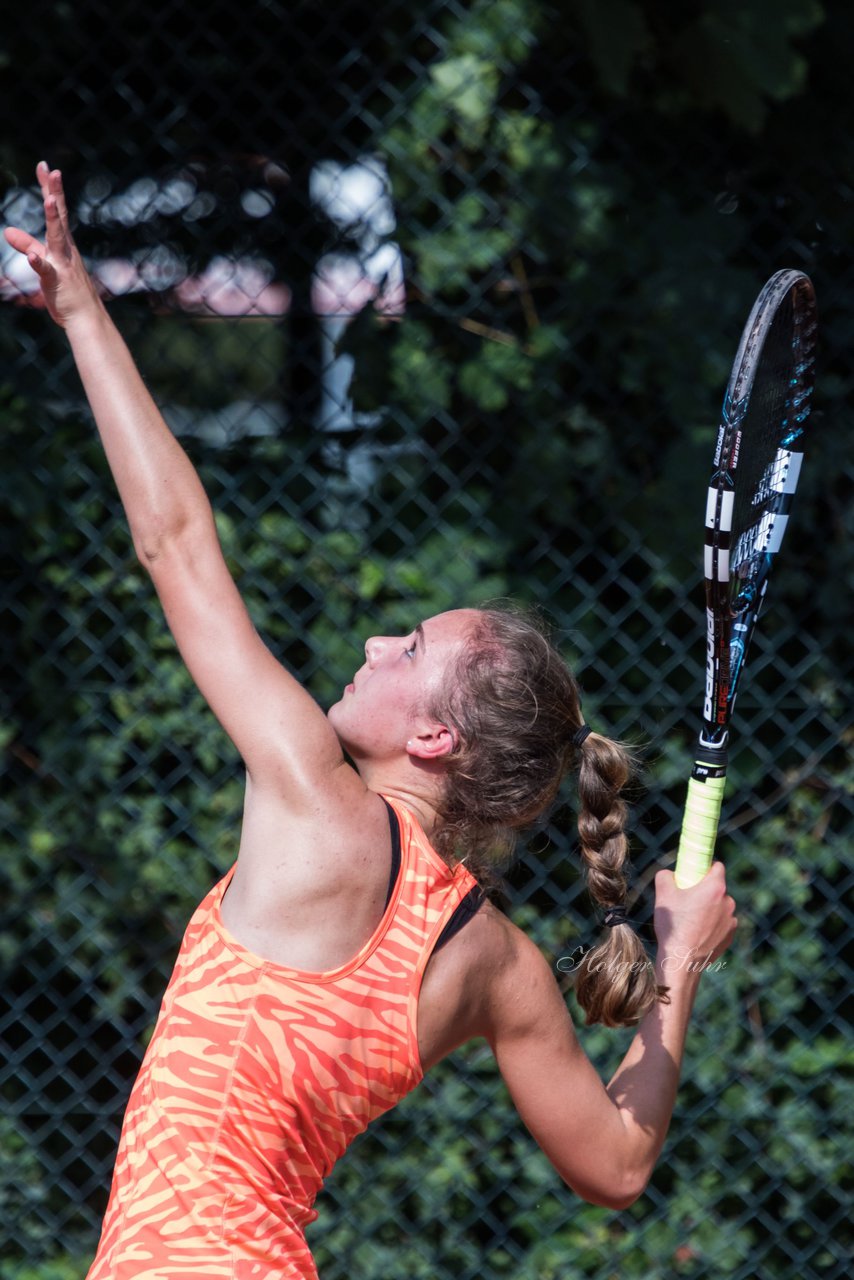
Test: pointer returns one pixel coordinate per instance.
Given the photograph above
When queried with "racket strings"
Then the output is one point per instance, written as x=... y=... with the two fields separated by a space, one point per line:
x=767 y=462
x=757 y=467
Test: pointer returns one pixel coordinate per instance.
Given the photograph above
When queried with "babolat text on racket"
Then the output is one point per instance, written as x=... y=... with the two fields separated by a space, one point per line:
x=757 y=464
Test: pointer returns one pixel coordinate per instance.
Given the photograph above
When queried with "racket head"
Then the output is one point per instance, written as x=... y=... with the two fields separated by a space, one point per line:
x=757 y=463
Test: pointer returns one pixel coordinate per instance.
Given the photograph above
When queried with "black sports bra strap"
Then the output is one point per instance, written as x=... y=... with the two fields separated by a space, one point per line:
x=464 y=912
x=394 y=828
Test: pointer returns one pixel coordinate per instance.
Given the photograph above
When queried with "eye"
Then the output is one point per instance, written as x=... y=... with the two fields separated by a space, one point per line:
x=410 y=652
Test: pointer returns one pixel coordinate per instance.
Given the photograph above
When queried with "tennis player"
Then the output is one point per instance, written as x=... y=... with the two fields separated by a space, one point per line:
x=353 y=945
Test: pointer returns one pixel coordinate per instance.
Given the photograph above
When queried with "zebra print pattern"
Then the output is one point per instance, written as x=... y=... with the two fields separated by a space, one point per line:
x=256 y=1080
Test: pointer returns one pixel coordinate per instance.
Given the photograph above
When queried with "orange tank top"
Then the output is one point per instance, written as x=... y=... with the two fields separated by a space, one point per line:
x=255 y=1081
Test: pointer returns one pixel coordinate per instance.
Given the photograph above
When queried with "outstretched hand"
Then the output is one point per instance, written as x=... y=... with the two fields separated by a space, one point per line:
x=66 y=286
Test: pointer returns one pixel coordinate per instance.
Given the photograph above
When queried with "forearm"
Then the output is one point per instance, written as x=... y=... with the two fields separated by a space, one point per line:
x=157 y=483
x=644 y=1087
x=603 y=1141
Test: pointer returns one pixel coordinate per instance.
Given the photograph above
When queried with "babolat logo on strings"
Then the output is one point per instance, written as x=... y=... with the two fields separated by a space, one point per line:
x=719 y=446
x=760 y=538
x=773 y=478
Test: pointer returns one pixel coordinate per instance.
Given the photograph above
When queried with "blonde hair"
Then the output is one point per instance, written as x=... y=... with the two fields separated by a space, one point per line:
x=515 y=707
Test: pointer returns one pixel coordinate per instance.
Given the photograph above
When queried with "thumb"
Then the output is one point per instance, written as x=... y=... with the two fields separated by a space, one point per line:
x=26 y=244
x=20 y=240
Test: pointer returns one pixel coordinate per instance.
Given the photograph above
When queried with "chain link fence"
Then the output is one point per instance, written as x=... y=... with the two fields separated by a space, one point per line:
x=442 y=299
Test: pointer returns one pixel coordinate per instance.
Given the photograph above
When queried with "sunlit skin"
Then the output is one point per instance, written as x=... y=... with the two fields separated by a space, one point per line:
x=314 y=856
x=381 y=720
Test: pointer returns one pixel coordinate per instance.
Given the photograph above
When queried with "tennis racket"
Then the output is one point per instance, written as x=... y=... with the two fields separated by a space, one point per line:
x=757 y=464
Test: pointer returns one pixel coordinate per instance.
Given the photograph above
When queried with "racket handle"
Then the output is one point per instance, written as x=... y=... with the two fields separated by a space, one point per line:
x=700 y=822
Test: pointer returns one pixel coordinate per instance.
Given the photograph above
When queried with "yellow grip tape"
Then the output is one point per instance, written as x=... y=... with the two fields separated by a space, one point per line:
x=699 y=830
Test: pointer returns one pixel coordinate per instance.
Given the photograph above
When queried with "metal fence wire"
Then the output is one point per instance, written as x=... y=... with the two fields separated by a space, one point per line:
x=441 y=297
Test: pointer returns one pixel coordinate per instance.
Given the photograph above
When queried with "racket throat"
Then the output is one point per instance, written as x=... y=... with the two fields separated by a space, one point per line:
x=711 y=758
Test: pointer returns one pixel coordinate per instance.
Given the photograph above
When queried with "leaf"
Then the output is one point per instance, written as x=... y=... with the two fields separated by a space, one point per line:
x=739 y=57
x=617 y=35
x=467 y=88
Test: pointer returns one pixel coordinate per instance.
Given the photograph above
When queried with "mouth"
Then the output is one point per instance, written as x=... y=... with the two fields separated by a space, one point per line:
x=351 y=688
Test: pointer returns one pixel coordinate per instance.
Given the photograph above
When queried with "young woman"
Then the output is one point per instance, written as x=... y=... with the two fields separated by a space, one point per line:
x=352 y=946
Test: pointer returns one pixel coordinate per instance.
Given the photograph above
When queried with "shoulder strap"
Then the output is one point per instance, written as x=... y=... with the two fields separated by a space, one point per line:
x=394 y=828
x=464 y=912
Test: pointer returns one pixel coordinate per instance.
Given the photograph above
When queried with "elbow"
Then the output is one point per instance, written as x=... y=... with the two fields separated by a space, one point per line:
x=149 y=539
x=632 y=1184
x=627 y=1198
x=148 y=549
x=621 y=1191
x=153 y=541
x=610 y=1200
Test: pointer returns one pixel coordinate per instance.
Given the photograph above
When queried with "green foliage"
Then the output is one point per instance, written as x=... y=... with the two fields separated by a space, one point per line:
x=22 y=1189
x=500 y=204
x=57 y=1269
x=420 y=378
x=617 y=35
x=465 y=89
x=737 y=57
x=731 y=57
x=223 y=354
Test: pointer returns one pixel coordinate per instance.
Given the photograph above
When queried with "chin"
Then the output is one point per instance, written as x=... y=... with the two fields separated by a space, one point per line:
x=332 y=717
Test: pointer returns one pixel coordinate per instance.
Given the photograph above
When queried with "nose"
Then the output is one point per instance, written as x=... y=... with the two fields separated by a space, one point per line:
x=374 y=649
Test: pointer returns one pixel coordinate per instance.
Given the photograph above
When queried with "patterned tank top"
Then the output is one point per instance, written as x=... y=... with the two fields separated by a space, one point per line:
x=255 y=1081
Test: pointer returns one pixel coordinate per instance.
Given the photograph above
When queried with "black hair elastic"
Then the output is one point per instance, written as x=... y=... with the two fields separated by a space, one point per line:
x=580 y=735
x=614 y=916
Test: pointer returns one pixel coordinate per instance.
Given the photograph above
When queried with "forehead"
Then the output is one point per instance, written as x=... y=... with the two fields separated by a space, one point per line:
x=451 y=627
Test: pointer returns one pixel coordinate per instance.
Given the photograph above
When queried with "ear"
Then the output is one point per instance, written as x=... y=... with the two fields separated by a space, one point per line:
x=431 y=742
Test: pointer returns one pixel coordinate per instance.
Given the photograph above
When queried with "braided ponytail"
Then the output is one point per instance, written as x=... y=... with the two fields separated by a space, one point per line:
x=615 y=983
x=516 y=711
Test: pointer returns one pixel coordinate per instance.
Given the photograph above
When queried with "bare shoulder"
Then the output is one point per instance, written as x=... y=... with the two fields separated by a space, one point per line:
x=523 y=988
x=489 y=979
x=311 y=879
x=330 y=835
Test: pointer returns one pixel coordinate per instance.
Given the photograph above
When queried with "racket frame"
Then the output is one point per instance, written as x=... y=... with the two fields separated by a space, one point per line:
x=729 y=631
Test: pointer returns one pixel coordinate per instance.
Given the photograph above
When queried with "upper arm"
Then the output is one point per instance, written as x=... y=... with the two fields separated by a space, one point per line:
x=278 y=728
x=552 y=1082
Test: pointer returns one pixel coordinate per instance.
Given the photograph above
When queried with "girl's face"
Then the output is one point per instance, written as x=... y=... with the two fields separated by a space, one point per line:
x=382 y=714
